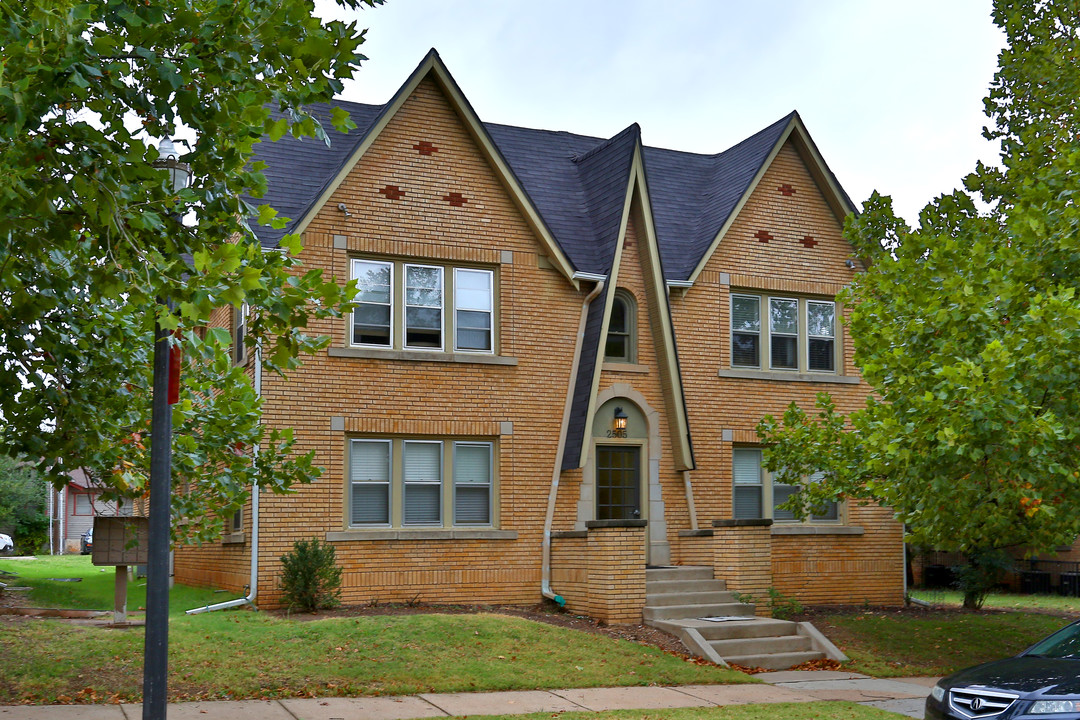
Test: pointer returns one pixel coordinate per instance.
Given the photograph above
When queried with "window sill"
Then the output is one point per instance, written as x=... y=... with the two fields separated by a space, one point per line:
x=426 y=534
x=235 y=538
x=789 y=376
x=817 y=530
x=422 y=356
x=612 y=366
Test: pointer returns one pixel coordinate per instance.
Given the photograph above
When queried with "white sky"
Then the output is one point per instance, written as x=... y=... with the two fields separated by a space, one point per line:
x=890 y=91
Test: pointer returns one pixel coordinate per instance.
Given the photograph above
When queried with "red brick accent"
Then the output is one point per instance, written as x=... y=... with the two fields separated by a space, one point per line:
x=808 y=242
x=786 y=190
x=392 y=192
x=456 y=199
x=425 y=148
x=763 y=236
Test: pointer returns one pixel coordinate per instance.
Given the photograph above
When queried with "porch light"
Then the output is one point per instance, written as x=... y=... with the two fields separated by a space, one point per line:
x=619 y=420
x=179 y=172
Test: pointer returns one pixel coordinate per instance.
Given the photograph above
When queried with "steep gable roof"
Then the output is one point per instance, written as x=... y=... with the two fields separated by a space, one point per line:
x=570 y=187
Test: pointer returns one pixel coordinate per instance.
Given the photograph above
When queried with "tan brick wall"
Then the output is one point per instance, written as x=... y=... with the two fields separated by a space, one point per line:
x=694 y=550
x=742 y=558
x=616 y=583
x=815 y=569
x=538 y=312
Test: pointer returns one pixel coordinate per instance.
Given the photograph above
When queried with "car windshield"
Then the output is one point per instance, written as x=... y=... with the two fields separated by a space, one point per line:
x=1065 y=643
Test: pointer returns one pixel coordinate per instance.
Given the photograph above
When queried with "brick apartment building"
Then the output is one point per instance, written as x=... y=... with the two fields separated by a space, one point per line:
x=561 y=347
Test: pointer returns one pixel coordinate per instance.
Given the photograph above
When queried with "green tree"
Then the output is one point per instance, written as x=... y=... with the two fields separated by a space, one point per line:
x=91 y=237
x=22 y=504
x=968 y=329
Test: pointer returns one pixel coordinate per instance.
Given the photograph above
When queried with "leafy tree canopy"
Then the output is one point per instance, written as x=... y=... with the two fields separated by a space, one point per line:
x=90 y=236
x=22 y=504
x=968 y=328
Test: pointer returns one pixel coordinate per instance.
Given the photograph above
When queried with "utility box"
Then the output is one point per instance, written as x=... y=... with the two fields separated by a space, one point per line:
x=121 y=540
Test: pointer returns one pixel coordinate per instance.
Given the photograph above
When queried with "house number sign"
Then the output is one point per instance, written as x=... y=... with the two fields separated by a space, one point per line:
x=621 y=433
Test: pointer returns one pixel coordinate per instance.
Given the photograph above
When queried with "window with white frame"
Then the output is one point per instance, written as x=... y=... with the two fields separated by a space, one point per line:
x=412 y=306
x=621 y=335
x=755 y=494
x=473 y=307
x=783 y=333
x=420 y=482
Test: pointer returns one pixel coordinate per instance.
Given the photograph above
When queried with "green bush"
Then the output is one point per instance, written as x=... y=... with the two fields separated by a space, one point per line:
x=310 y=576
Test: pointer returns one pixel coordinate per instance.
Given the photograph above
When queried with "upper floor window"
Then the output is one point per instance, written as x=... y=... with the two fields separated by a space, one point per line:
x=622 y=326
x=797 y=334
x=415 y=482
x=756 y=495
x=419 y=316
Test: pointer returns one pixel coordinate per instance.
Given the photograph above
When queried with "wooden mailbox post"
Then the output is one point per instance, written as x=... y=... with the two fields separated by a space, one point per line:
x=120 y=541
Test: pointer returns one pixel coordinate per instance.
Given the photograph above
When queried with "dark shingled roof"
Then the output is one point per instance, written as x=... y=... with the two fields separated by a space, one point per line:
x=576 y=182
x=298 y=170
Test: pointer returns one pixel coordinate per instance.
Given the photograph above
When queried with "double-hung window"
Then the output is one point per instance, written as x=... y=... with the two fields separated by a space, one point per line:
x=413 y=306
x=786 y=334
x=473 y=309
x=755 y=494
x=420 y=482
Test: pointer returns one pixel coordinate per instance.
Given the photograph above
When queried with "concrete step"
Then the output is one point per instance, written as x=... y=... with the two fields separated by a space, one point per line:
x=741 y=647
x=755 y=628
x=676 y=586
x=674 y=612
x=720 y=597
x=777 y=661
x=682 y=572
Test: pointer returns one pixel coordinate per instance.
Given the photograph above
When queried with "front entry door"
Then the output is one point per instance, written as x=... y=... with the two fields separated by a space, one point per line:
x=618 y=482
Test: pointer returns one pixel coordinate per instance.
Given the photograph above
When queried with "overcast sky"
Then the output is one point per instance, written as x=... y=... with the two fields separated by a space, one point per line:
x=890 y=91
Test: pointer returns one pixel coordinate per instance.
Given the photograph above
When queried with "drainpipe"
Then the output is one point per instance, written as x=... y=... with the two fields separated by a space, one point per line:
x=690 y=499
x=253 y=586
x=549 y=518
x=52 y=518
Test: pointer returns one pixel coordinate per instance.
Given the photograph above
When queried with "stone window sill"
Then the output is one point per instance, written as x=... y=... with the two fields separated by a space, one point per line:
x=236 y=538
x=612 y=366
x=421 y=356
x=817 y=530
x=427 y=534
x=781 y=376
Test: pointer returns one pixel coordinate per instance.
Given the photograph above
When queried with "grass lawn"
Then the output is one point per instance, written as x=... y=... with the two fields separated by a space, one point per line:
x=1008 y=601
x=243 y=654
x=892 y=643
x=778 y=711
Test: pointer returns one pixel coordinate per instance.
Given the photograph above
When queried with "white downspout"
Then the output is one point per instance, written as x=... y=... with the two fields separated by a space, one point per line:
x=52 y=517
x=63 y=518
x=549 y=518
x=690 y=499
x=253 y=587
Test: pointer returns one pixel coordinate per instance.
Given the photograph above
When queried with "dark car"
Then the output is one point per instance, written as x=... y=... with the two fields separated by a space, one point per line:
x=1043 y=683
x=86 y=542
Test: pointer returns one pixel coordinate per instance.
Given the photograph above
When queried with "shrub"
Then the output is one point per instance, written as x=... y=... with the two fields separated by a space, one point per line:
x=310 y=576
x=781 y=606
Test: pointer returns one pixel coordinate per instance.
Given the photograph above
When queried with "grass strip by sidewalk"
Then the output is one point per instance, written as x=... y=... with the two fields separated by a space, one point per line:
x=244 y=654
x=777 y=711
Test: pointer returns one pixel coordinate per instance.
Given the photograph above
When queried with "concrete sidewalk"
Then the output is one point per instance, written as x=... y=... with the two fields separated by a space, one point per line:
x=902 y=695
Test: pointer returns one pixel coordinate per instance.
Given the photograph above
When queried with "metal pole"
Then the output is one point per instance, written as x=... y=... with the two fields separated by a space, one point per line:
x=156 y=649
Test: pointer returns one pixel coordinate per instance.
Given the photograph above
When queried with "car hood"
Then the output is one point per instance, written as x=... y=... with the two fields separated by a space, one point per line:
x=1025 y=675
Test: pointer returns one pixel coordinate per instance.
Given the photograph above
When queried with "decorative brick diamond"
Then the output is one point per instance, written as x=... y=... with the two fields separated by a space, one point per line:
x=786 y=190
x=808 y=242
x=425 y=148
x=763 y=236
x=392 y=192
x=456 y=199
